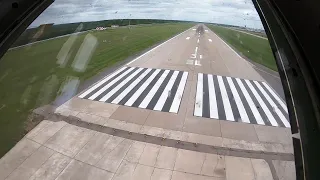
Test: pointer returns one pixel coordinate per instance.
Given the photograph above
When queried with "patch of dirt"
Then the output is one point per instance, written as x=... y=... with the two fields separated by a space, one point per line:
x=32 y=121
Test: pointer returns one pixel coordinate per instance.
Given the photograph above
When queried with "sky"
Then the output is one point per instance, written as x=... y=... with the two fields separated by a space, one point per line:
x=232 y=12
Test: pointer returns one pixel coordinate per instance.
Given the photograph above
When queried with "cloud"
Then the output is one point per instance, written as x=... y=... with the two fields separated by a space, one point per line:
x=234 y=12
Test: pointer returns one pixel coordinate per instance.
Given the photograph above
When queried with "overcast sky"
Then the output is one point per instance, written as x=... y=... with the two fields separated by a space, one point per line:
x=235 y=12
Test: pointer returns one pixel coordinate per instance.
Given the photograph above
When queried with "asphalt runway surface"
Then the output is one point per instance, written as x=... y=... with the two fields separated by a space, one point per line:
x=226 y=86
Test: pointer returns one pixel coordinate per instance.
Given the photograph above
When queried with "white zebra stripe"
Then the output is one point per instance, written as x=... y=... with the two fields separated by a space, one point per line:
x=282 y=104
x=178 y=97
x=153 y=90
x=100 y=83
x=109 y=84
x=242 y=111
x=262 y=104
x=165 y=94
x=212 y=98
x=225 y=100
x=115 y=89
x=135 y=96
x=253 y=108
x=130 y=87
x=199 y=96
x=274 y=106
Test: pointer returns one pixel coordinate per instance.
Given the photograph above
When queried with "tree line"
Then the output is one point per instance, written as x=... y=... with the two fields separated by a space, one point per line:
x=47 y=31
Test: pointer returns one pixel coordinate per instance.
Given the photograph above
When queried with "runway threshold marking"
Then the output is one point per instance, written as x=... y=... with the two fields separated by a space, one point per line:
x=155 y=89
x=241 y=100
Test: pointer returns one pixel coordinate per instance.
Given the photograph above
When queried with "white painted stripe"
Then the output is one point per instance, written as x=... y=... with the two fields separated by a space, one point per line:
x=242 y=111
x=200 y=56
x=153 y=90
x=212 y=98
x=178 y=97
x=166 y=92
x=274 y=106
x=206 y=30
x=190 y=62
x=198 y=41
x=262 y=104
x=155 y=47
x=100 y=83
x=122 y=83
x=109 y=84
x=193 y=29
x=130 y=87
x=197 y=63
x=228 y=46
x=195 y=53
x=135 y=96
x=199 y=96
x=187 y=38
x=282 y=104
x=253 y=108
x=210 y=40
x=225 y=100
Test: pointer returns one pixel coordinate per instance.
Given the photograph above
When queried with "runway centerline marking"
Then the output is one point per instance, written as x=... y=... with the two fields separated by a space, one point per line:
x=187 y=38
x=198 y=41
x=195 y=53
x=197 y=63
x=242 y=100
x=210 y=40
x=154 y=89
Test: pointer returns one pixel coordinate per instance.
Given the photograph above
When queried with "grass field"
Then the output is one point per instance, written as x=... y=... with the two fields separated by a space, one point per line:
x=31 y=77
x=254 y=48
x=254 y=33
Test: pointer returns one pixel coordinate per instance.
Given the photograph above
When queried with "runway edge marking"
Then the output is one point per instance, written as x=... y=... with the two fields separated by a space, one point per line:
x=98 y=82
x=156 y=47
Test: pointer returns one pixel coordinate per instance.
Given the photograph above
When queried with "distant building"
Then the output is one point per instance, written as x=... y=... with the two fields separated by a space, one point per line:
x=114 y=26
x=100 y=28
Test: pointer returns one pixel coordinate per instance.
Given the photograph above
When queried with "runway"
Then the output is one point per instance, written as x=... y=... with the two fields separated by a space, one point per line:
x=194 y=74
